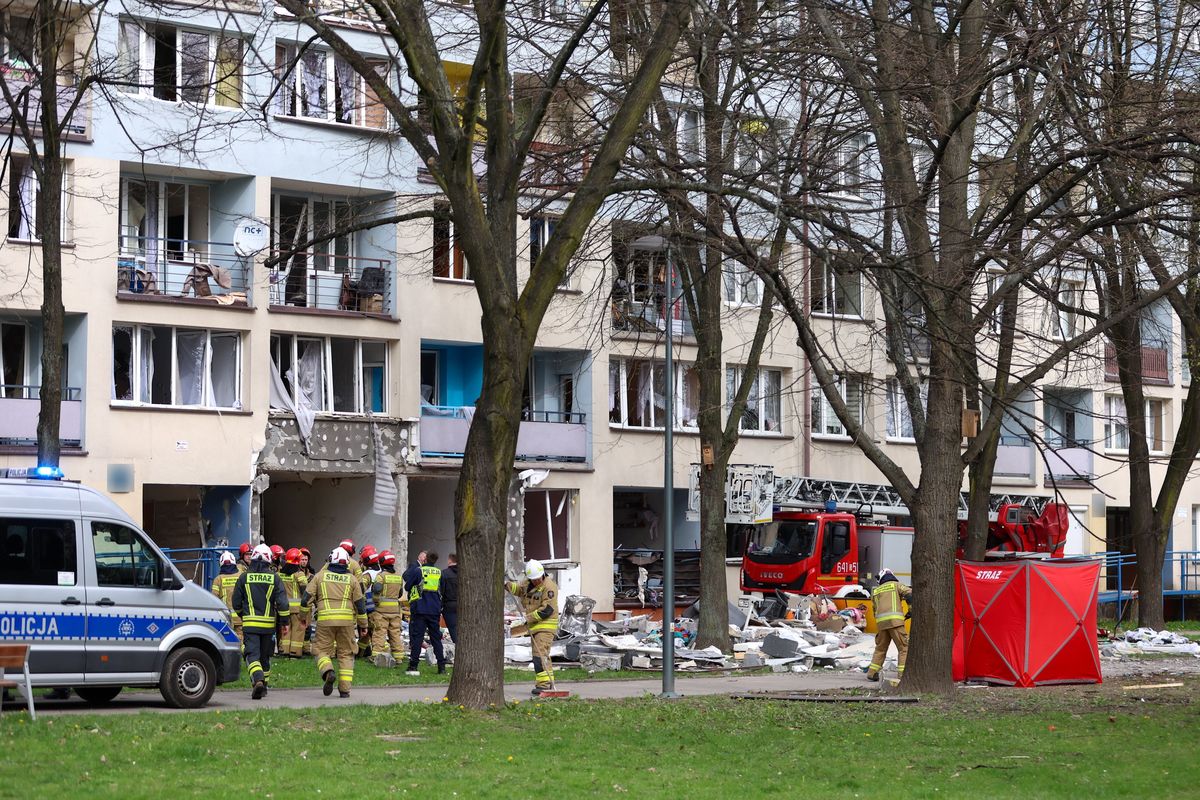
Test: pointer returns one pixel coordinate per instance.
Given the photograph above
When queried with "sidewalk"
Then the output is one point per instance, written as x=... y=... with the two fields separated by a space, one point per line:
x=239 y=700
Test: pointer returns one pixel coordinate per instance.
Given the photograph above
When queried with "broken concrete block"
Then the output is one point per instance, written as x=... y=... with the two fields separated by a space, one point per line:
x=599 y=662
x=781 y=645
x=641 y=662
x=753 y=660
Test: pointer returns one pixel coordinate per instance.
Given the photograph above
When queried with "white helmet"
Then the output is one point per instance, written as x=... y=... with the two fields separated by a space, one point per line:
x=228 y=558
x=534 y=570
x=261 y=553
x=339 y=556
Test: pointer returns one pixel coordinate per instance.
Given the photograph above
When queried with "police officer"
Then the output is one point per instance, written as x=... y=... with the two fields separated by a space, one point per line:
x=538 y=596
x=294 y=581
x=336 y=599
x=261 y=601
x=387 y=626
x=222 y=587
x=889 y=622
x=422 y=582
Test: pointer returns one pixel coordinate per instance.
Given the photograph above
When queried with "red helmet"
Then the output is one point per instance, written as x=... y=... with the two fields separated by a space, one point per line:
x=387 y=558
x=305 y=552
x=276 y=553
x=369 y=556
x=245 y=548
x=347 y=545
x=292 y=556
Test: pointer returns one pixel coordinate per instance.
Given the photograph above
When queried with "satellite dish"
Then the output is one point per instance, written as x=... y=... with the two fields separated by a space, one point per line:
x=251 y=236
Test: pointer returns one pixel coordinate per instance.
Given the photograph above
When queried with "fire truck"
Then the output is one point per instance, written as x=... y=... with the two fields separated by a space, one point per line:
x=809 y=535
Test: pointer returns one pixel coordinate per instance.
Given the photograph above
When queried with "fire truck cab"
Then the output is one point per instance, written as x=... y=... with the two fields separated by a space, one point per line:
x=803 y=552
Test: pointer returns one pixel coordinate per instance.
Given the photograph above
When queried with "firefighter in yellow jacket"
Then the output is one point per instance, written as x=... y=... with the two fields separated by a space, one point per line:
x=336 y=599
x=294 y=581
x=222 y=587
x=538 y=596
x=388 y=590
x=889 y=622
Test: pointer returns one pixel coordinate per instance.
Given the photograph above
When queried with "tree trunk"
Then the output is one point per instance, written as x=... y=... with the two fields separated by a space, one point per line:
x=481 y=522
x=979 y=499
x=1150 y=546
x=713 y=626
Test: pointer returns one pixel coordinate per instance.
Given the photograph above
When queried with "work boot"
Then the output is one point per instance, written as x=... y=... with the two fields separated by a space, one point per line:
x=327 y=689
x=342 y=694
x=537 y=691
x=441 y=669
x=259 y=691
x=873 y=677
x=413 y=671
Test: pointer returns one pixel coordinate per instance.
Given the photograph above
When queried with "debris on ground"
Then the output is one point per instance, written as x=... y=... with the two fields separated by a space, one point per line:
x=1148 y=640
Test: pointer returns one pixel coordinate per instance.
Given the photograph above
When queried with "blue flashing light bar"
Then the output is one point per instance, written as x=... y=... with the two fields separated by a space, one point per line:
x=43 y=473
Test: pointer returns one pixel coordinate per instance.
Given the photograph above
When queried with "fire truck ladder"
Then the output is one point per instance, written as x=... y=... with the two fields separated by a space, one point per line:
x=876 y=498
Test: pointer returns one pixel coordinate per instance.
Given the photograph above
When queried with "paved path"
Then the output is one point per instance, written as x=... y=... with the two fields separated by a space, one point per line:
x=239 y=699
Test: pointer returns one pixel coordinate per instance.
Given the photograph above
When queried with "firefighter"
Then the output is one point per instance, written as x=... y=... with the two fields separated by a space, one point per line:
x=422 y=582
x=243 y=558
x=261 y=601
x=336 y=600
x=388 y=591
x=277 y=554
x=294 y=581
x=370 y=564
x=889 y=622
x=538 y=596
x=354 y=567
x=304 y=576
x=222 y=587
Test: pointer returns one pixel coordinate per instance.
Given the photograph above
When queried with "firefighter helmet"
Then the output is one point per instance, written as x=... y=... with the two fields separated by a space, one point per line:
x=339 y=556
x=276 y=553
x=292 y=556
x=387 y=558
x=534 y=570
x=261 y=553
x=347 y=545
x=245 y=548
x=228 y=558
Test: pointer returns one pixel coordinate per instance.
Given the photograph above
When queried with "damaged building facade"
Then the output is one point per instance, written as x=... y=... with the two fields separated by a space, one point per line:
x=222 y=393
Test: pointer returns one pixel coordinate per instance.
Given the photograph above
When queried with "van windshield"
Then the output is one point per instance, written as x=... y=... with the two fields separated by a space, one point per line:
x=794 y=539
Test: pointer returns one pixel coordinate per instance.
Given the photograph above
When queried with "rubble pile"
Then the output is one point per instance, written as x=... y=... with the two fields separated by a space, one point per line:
x=797 y=634
x=1148 y=640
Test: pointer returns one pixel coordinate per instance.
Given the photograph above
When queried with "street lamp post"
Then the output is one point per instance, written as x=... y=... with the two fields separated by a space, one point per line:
x=668 y=606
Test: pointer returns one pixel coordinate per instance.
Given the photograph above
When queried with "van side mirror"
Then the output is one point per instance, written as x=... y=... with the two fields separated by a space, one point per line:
x=167 y=582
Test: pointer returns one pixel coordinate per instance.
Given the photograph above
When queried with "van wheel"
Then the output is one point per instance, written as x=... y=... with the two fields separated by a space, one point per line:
x=188 y=678
x=97 y=695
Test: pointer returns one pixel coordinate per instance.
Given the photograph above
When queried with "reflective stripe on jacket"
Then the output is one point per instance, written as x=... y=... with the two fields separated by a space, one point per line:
x=260 y=599
x=389 y=588
x=222 y=587
x=540 y=603
x=337 y=598
x=886 y=598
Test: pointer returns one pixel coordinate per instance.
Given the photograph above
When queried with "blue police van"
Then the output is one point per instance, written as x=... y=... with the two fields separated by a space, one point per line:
x=99 y=604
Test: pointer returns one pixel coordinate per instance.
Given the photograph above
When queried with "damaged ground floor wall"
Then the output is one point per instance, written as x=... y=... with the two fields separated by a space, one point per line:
x=319 y=512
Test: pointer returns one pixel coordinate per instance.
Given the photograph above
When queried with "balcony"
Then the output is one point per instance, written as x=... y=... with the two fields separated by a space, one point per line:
x=1068 y=464
x=1014 y=459
x=544 y=435
x=26 y=93
x=1156 y=365
x=330 y=282
x=638 y=318
x=187 y=269
x=19 y=408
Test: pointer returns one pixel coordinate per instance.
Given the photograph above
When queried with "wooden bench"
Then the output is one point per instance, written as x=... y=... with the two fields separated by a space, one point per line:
x=16 y=656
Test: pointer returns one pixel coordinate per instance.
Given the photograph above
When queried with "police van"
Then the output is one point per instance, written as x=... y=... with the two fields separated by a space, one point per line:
x=99 y=604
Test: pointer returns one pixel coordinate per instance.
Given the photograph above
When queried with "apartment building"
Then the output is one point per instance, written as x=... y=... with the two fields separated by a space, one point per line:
x=223 y=395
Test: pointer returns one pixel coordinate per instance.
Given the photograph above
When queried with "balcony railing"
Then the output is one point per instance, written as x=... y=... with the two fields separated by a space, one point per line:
x=633 y=316
x=28 y=106
x=1014 y=459
x=544 y=435
x=19 y=410
x=333 y=283
x=1067 y=463
x=168 y=268
x=1156 y=364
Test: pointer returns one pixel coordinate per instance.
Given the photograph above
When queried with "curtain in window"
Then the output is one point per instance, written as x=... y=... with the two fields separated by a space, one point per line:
x=309 y=378
x=145 y=362
x=313 y=78
x=614 y=391
x=772 y=402
x=344 y=78
x=150 y=228
x=27 y=196
x=229 y=72
x=193 y=64
x=689 y=411
x=222 y=371
x=190 y=357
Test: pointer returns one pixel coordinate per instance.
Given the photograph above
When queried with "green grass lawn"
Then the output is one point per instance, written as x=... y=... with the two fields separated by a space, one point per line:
x=1063 y=742
x=287 y=673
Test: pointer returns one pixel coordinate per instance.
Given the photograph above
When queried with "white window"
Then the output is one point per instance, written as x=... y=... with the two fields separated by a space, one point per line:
x=849 y=167
x=899 y=417
x=541 y=228
x=687 y=132
x=753 y=145
x=764 y=403
x=824 y=421
x=333 y=374
x=317 y=84
x=157 y=219
x=548 y=524
x=1116 y=425
x=164 y=366
x=742 y=285
x=180 y=65
x=449 y=260
x=638 y=396
x=836 y=287
x=18 y=42
x=24 y=190
x=1069 y=295
x=995 y=283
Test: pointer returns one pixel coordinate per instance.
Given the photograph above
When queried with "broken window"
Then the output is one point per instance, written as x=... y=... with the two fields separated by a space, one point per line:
x=163 y=219
x=164 y=366
x=318 y=84
x=448 y=258
x=338 y=375
x=639 y=396
x=764 y=403
x=548 y=524
x=24 y=190
x=836 y=287
x=176 y=64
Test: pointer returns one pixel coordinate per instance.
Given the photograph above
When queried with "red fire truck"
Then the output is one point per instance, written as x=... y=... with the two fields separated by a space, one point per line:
x=823 y=534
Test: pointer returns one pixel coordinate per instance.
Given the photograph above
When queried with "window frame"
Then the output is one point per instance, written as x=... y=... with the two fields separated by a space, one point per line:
x=327 y=380
x=291 y=100
x=136 y=387
x=568 y=503
x=681 y=370
x=144 y=83
x=822 y=409
x=67 y=207
x=736 y=280
x=826 y=270
x=446 y=247
x=160 y=569
x=1116 y=424
x=760 y=397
